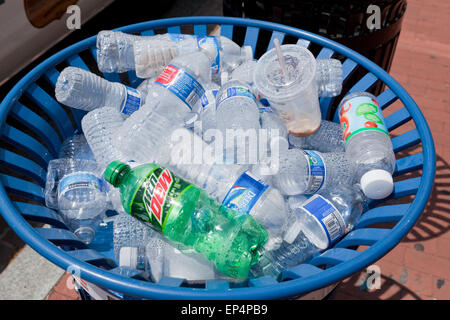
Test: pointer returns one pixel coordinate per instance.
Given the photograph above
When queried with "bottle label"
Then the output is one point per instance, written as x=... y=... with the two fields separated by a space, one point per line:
x=317 y=171
x=234 y=92
x=181 y=84
x=265 y=109
x=245 y=193
x=327 y=215
x=132 y=102
x=359 y=114
x=176 y=37
x=263 y=100
x=156 y=196
x=78 y=180
x=212 y=42
x=208 y=98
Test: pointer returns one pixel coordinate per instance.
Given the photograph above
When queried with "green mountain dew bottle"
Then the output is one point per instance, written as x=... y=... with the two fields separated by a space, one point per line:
x=185 y=214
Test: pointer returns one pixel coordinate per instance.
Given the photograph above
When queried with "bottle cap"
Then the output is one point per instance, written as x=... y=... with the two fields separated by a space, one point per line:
x=248 y=52
x=377 y=184
x=113 y=170
x=128 y=257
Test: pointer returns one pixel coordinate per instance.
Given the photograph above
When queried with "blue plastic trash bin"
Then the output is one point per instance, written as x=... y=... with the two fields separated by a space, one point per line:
x=39 y=123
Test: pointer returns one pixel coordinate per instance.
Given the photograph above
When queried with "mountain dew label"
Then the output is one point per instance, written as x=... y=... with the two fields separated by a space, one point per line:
x=156 y=196
x=359 y=114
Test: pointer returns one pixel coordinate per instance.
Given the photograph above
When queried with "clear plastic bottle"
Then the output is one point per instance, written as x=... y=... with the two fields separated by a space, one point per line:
x=368 y=144
x=308 y=172
x=76 y=147
x=116 y=51
x=193 y=159
x=178 y=89
x=81 y=89
x=148 y=55
x=208 y=112
x=328 y=138
x=74 y=187
x=237 y=113
x=317 y=224
x=99 y=126
x=329 y=77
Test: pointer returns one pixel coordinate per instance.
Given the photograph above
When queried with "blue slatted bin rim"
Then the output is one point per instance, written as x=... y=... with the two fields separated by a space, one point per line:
x=340 y=262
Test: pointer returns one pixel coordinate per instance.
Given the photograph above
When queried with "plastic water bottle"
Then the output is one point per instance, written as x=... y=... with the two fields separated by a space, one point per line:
x=368 y=144
x=146 y=86
x=118 y=51
x=237 y=110
x=81 y=89
x=208 y=112
x=193 y=159
x=74 y=187
x=178 y=89
x=308 y=172
x=329 y=77
x=76 y=147
x=328 y=138
x=161 y=258
x=148 y=55
x=99 y=126
x=314 y=226
x=185 y=214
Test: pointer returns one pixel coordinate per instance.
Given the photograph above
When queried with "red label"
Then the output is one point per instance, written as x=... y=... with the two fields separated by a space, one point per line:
x=167 y=76
x=160 y=193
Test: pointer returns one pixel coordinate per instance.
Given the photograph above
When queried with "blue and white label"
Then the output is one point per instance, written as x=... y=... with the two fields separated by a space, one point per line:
x=209 y=98
x=132 y=102
x=181 y=84
x=245 y=193
x=211 y=44
x=327 y=215
x=79 y=180
x=237 y=91
x=317 y=171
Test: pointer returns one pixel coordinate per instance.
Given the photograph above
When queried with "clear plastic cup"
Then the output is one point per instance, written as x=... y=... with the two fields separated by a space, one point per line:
x=290 y=86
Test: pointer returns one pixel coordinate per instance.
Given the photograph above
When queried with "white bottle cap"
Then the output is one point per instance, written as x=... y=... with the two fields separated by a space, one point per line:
x=248 y=52
x=377 y=184
x=128 y=257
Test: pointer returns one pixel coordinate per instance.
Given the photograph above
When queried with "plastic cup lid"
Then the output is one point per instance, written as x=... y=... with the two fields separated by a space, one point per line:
x=377 y=184
x=269 y=78
x=128 y=257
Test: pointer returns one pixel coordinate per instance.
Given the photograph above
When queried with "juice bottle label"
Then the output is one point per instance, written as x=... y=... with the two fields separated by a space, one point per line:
x=80 y=180
x=132 y=102
x=181 y=84
x=317 y=171
x=327 y=215
x=212 y=42
x=359 y=114
x=156 y=196
x=245 y=193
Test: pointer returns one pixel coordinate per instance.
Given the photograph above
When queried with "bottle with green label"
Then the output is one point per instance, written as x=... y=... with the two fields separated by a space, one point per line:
x=184 y=213
x=367 y=143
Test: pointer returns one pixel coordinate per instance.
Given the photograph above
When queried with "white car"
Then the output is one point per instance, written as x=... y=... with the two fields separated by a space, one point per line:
x=31 y=27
